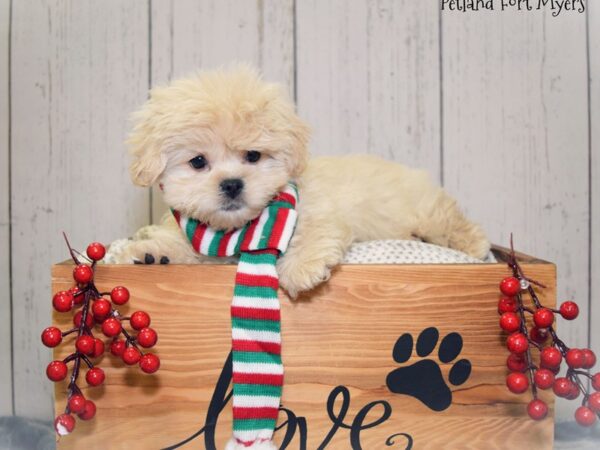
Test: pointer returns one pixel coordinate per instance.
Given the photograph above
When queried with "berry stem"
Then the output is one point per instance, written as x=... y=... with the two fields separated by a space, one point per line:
x=71 y=251
x=70 y=358
x=87 y=361
x=535 y=344
x=517 y=274
x=130 y=339
x=73 y=382
x=571 y=374
x=72 y=330
x=81 y=330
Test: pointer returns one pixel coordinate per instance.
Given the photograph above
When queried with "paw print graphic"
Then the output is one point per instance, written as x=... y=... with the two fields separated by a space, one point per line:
x=423 y=379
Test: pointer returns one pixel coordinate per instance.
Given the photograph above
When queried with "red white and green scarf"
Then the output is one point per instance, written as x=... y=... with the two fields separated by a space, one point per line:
x=255 y=316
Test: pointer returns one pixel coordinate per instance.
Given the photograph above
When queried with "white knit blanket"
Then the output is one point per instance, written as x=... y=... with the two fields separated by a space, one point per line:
x=408 y=252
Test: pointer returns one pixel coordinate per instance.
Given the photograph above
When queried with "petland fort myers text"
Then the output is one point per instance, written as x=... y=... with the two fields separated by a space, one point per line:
x=556 y=6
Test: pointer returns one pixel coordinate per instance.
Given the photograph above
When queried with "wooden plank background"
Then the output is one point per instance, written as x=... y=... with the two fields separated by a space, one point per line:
x=6 y=406
x=498 y=107
x=594 y=99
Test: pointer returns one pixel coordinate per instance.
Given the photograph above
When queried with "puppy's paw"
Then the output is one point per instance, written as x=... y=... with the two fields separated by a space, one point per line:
x=295 y=278
x=125 y=251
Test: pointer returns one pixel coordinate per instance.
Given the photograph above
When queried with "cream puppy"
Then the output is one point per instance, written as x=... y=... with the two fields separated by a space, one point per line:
x=222 y=143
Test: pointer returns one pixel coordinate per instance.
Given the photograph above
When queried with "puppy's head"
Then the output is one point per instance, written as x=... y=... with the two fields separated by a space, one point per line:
x=221 y=143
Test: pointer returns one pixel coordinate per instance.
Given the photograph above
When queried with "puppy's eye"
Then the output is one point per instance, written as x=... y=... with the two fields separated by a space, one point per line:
x=199 y=162
x=252 y=156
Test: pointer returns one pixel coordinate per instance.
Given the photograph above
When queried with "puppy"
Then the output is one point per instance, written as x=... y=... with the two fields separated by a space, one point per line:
x=222 y=143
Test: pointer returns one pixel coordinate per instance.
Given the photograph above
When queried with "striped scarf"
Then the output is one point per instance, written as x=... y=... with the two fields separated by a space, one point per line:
x=255 y=316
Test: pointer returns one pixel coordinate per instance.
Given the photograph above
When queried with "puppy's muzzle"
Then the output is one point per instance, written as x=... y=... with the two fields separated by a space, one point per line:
x=232 y=187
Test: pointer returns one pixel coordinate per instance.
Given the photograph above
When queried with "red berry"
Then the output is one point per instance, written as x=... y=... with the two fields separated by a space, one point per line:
x=544 y=379
x=562 y=387
x=119 y=295
x=85 y=344
x=575 y=358
x=594 y=402
x=550 y=357
x=517 y=343
x=517 y=382
x=89 y=320
x=539 y=335
x=131 y=355
x=147 y=337
x=543 y=318
x=95 y=376
x=56 y=371
x=510 y=286
x=64 y=424
x=62 y=301
x=574 y=392
x=139 y=320
x=83 y=273
x=589 y=358
x=554 y=370
x=51 y=337
x=89 y=411
x=149 y=363
x=516 y=363
x=101 y=308
x=76 y=403
x=596 y=381
x=507 y=304
x=96 y=251
x=569 y=310
x=78 y=295
x=585 y=416
x=111 y=327
x=510 y=322
x=117 y=347
x=98 y=348
x=537 y=409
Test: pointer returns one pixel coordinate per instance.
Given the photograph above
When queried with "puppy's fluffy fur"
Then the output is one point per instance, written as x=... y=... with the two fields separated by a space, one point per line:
x=223 y=114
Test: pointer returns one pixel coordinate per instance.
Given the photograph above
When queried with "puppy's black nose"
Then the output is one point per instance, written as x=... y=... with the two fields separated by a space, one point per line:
x=232 y=187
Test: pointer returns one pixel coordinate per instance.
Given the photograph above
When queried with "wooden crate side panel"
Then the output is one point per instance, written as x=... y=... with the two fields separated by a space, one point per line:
x=343 y=336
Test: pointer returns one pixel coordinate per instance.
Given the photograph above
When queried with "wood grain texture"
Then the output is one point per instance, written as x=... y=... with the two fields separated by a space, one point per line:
x=515 y=138
x=342 y=334
x=368 y=78
x=593 y=30
x=78 y=69
x=5 y=313
x=191 y=35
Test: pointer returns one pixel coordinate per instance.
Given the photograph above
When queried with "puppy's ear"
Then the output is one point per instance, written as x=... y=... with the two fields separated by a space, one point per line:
x=299 y=155
x=145 y=147
x=285 y=121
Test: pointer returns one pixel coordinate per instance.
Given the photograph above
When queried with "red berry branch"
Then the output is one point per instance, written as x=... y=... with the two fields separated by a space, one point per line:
x=543 y=338
x=94 y=309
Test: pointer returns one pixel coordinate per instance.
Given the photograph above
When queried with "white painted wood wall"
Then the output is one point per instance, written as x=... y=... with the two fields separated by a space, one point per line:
x=503 y=109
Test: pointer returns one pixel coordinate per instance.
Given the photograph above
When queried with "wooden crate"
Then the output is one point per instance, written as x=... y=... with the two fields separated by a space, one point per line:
x=337 y=348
